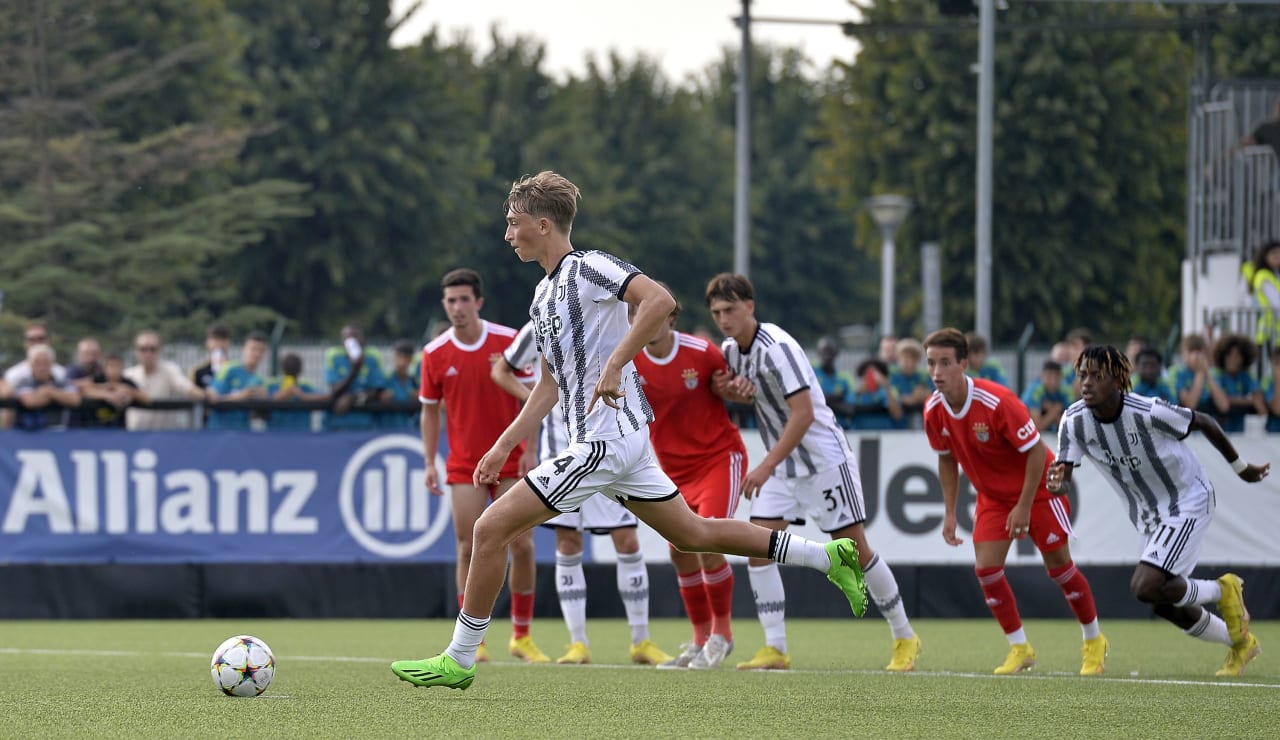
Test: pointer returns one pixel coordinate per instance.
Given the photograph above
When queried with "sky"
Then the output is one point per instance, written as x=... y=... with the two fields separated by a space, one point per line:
x=683 y=36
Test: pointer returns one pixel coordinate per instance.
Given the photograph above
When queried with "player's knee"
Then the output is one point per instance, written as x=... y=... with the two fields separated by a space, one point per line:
x=1146 y=589
x=625 y=541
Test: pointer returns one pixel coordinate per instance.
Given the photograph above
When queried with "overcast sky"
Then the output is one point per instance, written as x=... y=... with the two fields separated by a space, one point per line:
x=684 y=36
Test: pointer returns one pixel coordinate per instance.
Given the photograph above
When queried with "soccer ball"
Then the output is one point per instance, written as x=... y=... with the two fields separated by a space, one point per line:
x=243 y=666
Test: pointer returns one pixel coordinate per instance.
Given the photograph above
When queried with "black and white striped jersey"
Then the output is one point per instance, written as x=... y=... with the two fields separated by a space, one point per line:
x=579 y=318
x=778 y=366
x=522 y=355
x=1144 y=455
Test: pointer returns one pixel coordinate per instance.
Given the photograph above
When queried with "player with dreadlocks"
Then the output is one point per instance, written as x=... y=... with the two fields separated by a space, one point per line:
x=1140 y=445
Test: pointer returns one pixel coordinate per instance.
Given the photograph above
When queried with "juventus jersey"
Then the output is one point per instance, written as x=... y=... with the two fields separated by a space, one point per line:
x=523 y=355
x=579 y=319
x=1143 y=455
x=775 y=362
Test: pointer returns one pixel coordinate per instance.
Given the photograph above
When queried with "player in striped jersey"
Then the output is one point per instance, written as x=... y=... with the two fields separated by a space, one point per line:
x=598 y=515
x=809 y=470
x=1139 y=444
x=580 y=317
x=981 y=426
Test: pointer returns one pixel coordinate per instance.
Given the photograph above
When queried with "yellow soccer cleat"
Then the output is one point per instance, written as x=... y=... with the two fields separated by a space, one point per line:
x=578 y=654
x=1021 y=658
x=646 y=652
x=482 y=654
x=767 y=658
x=1095 y=653
x=1231 y=607
x=905 y=652
x=523 y=648
x=1239 y=656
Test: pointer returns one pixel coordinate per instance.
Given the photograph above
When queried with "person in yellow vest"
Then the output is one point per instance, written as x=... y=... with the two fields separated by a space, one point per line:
x=1264 y=282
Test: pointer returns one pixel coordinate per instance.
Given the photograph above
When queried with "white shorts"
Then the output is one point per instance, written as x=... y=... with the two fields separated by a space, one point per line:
x=623 y=469
x=1175 y=545
x=831 y=499
x=597 y=515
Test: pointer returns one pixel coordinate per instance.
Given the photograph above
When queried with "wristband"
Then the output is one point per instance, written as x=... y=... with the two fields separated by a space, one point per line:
x=1239 y=465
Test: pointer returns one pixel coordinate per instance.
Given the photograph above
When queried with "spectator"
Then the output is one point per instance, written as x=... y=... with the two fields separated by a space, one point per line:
x=911 y=382
x=1269 y=393
x=1190 y=379
x=34 y=334
x=107 y=398
x=888 y=350
x=1267 y=133
x=875 y=402
x=44 y=401
x=1265 y=285
x=1076 y=340
x=1061 y=354
x=239 y=381
x=291 y=386
x=1046 y=398
x=355 y=375
x=1236 y=392
x=85 y=374
x=217 y=342
x=158 y=379
x=1149 y=377
x=1136 y=344
x=403 y=384
x=836 y=386
x=981 y=366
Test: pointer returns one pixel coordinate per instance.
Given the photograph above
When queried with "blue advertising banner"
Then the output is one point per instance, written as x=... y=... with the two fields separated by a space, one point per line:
x=180 y=497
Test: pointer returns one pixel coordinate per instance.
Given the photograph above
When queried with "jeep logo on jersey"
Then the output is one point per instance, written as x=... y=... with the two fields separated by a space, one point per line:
x=384 y=499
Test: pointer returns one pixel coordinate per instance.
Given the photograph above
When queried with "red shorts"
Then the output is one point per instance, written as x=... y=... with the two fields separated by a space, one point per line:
x=1050 y=521
x=712 y=490
x=463 y=471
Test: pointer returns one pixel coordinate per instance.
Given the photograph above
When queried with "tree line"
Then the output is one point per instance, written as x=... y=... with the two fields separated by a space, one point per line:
x=175 y=162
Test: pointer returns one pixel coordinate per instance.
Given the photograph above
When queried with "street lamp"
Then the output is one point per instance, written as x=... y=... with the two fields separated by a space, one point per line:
x=888 y=212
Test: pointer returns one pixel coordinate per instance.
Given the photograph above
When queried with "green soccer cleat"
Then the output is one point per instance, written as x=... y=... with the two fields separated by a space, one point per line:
x=438 y=671
x=847 y=574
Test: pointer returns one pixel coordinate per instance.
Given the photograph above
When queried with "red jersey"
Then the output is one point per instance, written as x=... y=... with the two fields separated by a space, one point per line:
x=691 y=425
x=989 y=437
x=477 y=411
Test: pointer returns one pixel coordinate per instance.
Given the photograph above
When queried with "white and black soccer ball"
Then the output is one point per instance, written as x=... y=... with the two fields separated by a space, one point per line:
x=243 y=666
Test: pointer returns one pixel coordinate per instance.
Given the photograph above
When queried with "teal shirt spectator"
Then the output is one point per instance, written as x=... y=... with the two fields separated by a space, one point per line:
x=903 y=384
x=1240 y=385
x=1269 y=393
x=1180 y=378
x=1159 y=389
x=372 y=378
x=405 y=389
x=840 y=385
x=1036 y=394
x=873 y=409
x=283 y=419
x=992 y=371
x=233 y=377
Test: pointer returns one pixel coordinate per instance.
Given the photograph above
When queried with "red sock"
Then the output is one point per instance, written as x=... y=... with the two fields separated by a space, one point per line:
x=459 y=602
x=521 y=613
x=696 y=604
x=719 y=586
x=999 y=598
x=1076 y=588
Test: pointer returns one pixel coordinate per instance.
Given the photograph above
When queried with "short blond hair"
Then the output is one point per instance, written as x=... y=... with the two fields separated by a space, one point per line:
x=545 y=195
x=912 y=347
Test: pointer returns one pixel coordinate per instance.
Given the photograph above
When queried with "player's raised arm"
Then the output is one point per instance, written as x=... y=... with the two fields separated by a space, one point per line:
x=653 y=305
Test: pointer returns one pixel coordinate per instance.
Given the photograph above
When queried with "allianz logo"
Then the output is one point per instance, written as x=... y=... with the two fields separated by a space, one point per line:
x=382 y=497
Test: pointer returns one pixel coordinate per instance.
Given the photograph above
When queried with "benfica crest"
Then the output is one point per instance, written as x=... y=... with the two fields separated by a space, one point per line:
x=980 y=431
x=690 y=378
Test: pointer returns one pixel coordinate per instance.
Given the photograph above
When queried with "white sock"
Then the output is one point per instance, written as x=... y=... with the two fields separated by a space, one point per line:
x=468 y=633
x=1016 y=637
x=1091 y=630
x=1200 y=591
x=633 y=587
x=883 y=588
x=571 y=587
x=771 y=603
x=796 y=550
x=1210 y=628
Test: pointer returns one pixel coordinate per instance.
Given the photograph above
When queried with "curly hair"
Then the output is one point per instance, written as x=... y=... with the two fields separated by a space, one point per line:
x=1110 y=361
x=1227 y=342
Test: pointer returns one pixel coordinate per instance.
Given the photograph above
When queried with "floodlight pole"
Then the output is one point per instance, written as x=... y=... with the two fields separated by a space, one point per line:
x=742 y=152
x=986 y=106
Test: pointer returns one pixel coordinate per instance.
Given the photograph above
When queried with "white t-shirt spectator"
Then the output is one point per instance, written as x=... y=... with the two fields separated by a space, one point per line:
x=167 y=382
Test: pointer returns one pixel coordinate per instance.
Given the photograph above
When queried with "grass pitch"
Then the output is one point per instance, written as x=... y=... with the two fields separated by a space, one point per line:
x=151 y=679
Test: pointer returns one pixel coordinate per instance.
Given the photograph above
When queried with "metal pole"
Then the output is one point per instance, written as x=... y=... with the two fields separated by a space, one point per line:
x=931 y=279
x=742 y=174
x=986 y=106
x=886 y=287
